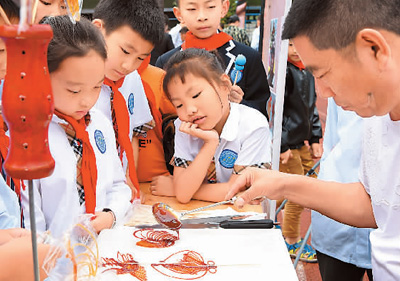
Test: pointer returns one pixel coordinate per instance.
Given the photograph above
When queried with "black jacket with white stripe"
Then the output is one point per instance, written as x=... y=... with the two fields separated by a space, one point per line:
x=254 y=80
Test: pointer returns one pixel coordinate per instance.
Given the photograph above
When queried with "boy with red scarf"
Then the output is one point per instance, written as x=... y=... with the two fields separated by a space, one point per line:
x=202 y=17
x=131 y=30
x=300 y=123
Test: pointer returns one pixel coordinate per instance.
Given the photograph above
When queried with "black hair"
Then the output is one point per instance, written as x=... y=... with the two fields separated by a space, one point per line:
x=166 y=19
x=335 y=23
x=10 y=8
x=184 y=30
x=72 y=40
x=177 y=2
x=143 y=16
x=233 y=19
x=198 y=62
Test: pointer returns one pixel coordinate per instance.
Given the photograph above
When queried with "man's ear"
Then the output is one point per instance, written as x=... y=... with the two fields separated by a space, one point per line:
x=372 y=47
x=178 y=15
x=225 y=8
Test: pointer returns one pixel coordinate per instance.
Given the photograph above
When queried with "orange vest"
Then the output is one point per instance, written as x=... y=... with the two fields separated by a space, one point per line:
x=151 y=153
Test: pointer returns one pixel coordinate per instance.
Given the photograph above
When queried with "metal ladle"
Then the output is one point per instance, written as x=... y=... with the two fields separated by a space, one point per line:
x=171 y=219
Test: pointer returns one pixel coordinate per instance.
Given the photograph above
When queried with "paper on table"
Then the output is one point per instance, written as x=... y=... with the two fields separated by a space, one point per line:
x=243 y=254
x=142 y=215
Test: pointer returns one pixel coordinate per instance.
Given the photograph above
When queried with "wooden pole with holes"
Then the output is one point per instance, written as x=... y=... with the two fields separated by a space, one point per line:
x=27 y=103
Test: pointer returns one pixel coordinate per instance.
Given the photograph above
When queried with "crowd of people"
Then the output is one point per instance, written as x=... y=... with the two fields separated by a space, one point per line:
x=135 y=103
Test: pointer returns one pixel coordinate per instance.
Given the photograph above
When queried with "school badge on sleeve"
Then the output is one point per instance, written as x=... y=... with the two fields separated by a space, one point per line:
x=228 y=158
x=100 y=141
x=131 y=103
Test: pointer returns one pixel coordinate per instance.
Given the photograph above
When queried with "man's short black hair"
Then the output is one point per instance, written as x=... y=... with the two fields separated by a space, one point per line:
x=335 y=23
x=166 y=19
x=233 y=19
x=143 y=16
x=184 y=30
x=10 y=8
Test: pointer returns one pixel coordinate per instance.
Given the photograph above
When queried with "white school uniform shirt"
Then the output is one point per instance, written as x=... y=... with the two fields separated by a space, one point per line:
x=136 y=101
x=380 y=175
x=245 y=140
x=56 y=197
x=10 y=214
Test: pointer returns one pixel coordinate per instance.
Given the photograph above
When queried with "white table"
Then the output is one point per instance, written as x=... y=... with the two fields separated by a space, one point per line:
x=240 y=254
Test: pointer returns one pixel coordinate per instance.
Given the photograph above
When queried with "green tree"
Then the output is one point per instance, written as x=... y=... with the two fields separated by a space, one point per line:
x=232 y=11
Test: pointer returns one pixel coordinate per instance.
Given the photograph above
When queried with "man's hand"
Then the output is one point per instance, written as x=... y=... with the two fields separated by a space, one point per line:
x=256 y=183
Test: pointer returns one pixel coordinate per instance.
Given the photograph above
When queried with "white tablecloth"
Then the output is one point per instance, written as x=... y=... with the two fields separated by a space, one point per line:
x=240 y=254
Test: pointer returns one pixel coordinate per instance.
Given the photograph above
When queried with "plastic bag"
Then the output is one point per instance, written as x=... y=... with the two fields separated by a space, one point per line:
x=74 y=8
x=74 y=256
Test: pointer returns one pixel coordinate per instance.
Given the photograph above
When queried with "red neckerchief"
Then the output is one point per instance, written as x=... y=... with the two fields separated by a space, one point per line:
x=122 y=125
x=210 y=43
x=151 y=98
x=299 y=64
x=89 y=167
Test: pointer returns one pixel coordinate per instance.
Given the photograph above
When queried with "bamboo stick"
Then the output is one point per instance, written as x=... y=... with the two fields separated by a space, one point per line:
x=34 y=10
x=4 y=16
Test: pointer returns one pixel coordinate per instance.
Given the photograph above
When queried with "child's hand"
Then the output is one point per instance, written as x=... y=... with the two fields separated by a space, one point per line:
x=162 y=186
x=236 y=94
x=285 y=156
x=193 y=130
x=130 y=184
x=102 y=220
x=316 y=149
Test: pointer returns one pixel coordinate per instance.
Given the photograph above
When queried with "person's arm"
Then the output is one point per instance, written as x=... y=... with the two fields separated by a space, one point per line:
x=285 y=150
x=16 y=259
x=315 y=128
x=39 y=215
x=135 y=148
x=187 y=181
x=117 y=193
x=346 y=203
x=214 y=192
x=6 y=235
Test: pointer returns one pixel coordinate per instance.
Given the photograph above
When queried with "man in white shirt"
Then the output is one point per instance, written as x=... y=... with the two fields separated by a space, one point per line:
x=255 y=37
x=353 y=50
x=176 y=36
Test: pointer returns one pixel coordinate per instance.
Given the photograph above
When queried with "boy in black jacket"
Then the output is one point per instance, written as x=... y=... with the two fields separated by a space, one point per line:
x=300 y=123
x=202 y=19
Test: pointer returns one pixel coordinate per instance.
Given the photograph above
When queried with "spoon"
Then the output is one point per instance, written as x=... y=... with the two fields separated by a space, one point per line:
x=171 y=219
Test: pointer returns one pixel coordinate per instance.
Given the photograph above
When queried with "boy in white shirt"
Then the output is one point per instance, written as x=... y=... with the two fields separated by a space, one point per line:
x=131 y=29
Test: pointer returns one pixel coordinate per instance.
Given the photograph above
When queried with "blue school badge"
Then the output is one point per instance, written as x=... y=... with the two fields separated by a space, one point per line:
x=100 y=141
x=131 y=103
x=228 y=158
